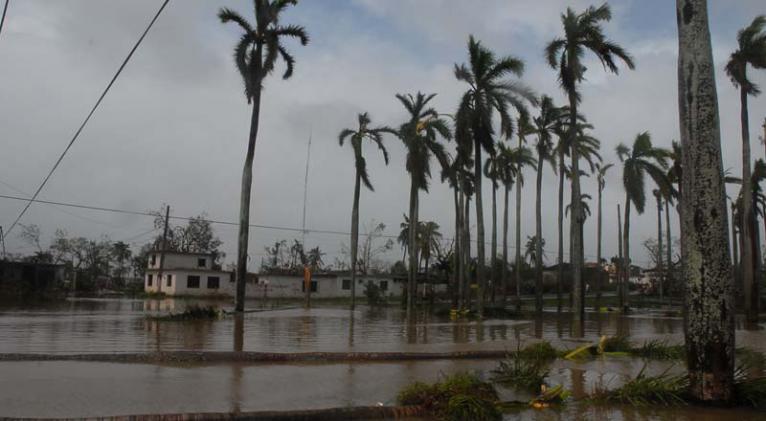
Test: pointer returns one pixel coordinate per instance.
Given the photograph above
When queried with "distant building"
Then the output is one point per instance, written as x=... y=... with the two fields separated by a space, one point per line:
x=30 y=276
x=186 y=274
x=193 y=274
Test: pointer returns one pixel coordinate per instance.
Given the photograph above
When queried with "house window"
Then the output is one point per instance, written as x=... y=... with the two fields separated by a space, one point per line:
x=346 y=284
x=192 y=281
x=149 y=280
x=153 y=260
x=213 y=282
x=201 y=263
x=314 y=286
x=170 y=280
x=383 y=285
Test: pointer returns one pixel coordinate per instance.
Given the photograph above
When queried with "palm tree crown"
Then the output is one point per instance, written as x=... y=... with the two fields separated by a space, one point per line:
x=419 y=135
x=751 y=50
x=357 y=137
x=264 y=37
x=642 y=159
x=583 y=32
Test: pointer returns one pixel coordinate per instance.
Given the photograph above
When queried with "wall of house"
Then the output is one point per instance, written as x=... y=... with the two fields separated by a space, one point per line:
x=179 y=282
x=177 y=261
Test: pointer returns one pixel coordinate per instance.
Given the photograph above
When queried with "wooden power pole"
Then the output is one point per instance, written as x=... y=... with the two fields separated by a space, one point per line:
x=162 y=250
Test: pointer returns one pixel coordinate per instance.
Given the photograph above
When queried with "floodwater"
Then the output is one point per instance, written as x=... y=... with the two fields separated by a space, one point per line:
x=79 y=389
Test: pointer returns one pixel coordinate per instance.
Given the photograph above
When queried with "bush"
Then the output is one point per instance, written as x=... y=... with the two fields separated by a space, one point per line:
x=526 y=369
x=374 y=294
x=460 y=396
x=663 y=389
x=193 y=313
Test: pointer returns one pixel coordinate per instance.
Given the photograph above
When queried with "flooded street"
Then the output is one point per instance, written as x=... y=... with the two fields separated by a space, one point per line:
x=79 y=389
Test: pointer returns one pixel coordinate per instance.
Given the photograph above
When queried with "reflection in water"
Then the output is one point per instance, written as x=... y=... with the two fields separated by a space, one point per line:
x=239 y=332
x=83 y=326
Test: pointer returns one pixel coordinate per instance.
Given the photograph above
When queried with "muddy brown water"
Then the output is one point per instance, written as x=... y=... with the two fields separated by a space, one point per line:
x=77 y=389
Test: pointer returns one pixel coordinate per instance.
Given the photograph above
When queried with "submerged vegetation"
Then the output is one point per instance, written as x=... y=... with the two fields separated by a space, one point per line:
x=192 y=313
x=662 y=389
x=461 y=396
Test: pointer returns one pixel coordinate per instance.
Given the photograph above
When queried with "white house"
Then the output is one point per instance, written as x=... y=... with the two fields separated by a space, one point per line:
x=193 y=274
x=186 y=274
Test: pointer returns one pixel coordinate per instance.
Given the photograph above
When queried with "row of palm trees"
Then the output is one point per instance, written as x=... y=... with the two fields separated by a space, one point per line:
x=492 y=97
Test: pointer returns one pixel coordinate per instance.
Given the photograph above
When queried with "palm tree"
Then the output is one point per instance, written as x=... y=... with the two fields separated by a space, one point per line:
x=430 y=239
x=523 y=157
x=582 y=33
x=709 y=315
x=363 y=132
x=419 y=135
x=255 y=55
x=546 y=124
x=601 y=171
x=488 y=92
x=492 y=172
x=751 y=50
x=534 y=246
x=507 y=176
x=643 y=159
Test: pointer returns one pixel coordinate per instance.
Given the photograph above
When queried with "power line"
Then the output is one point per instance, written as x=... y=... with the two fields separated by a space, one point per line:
x=215 y=221
x=93 y=110
x=2 y=19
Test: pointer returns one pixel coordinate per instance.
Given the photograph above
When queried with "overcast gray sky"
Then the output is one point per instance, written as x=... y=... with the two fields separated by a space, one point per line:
x=174 y=127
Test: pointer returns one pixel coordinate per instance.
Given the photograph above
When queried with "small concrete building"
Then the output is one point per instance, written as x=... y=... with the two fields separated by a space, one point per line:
x=187 y=274
x=192 y=274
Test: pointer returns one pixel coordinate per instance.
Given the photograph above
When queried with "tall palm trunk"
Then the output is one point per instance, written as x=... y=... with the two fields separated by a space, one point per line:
x=467 y=246
x=539 y=236
x=354 y=237
x=621 y=264
x=659 y=246
x=457 y=271
x=709 y=315
x=560 y=277
x=736 y=264
x=748 y=215
x=505 y=245
x=518 y=233
x=576 y=222
x=668 y=247
x=600 y=273
x=493 y=272
x=247 y=184
x=480 y=276
x=626 y=254
x=412 y=248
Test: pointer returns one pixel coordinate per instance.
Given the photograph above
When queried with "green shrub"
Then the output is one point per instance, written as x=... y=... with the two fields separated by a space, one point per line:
x=663 y=389
x=749 y=390
x=460 y=396
x=524 y=369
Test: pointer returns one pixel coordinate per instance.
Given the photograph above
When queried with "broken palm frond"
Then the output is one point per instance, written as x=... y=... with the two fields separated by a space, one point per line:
x=749 y=389
x=549 y=396
x=579 y=352
x=192 y=313
x=663 y=389
x=659 y=350
x=613 y=344
x=456 y=397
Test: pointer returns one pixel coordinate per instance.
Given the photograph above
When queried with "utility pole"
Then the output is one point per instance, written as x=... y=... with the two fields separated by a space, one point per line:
x=2 y=240
x=306 y=270
x=162 y=250
x=620 y=263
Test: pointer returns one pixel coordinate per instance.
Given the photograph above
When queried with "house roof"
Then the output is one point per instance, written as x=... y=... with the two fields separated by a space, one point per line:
x=181 y=253
x=175 y=269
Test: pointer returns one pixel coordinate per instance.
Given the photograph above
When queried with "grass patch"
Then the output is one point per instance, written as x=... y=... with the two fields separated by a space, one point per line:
x=663 y=389
x=527 y=368
x=192 y=313
x=461 y=396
